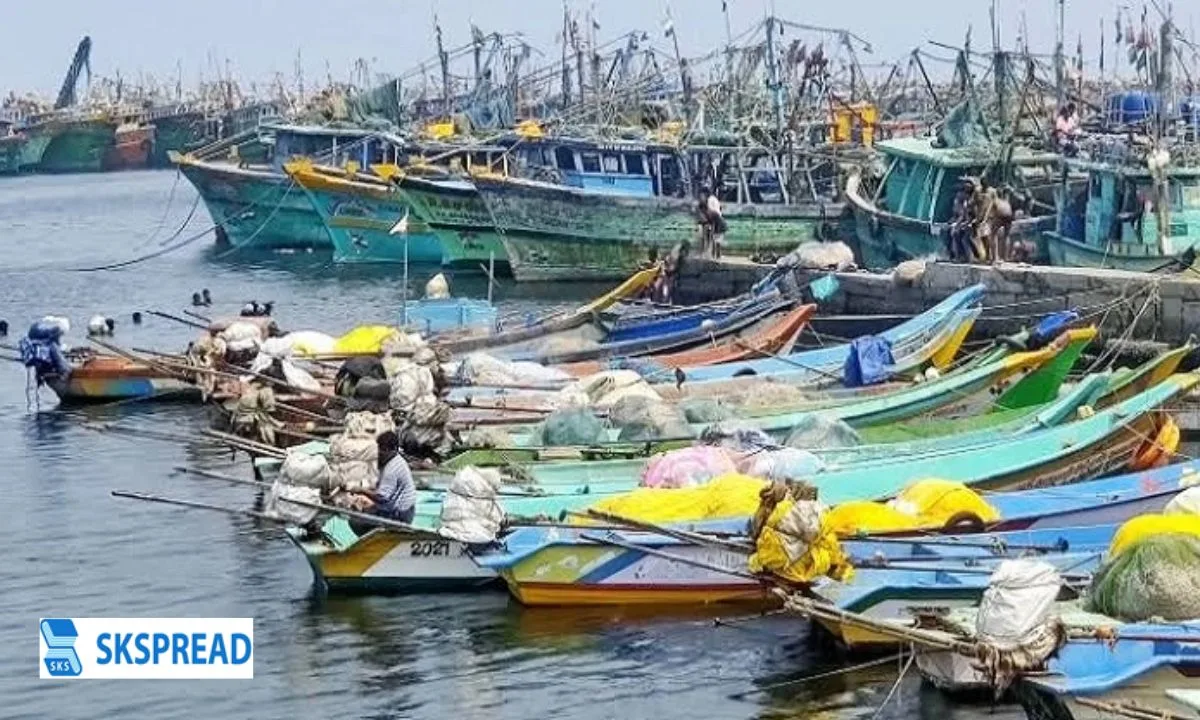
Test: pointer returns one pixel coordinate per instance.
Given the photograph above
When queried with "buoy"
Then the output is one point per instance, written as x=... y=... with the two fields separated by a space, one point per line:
x=97 y=326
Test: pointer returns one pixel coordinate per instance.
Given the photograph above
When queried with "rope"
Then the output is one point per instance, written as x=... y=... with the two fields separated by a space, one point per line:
x=895 y=686
x=166 y=210
x=250 y=240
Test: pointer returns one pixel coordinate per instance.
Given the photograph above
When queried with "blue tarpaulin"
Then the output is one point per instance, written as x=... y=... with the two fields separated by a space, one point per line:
x=869 y=362
x=1051 y=327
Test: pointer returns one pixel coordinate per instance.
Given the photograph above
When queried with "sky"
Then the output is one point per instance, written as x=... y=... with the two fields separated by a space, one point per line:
x=260 y=38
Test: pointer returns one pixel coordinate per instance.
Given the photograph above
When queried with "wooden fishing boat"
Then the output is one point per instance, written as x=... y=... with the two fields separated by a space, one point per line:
x=515 y=338
x=769 y=337
x=941 y=575
x=103 y=378
x=907 y=215
x=556 y=232
x=1144 y=670
x=676 y=333
x=609 y=567
x=959 y=394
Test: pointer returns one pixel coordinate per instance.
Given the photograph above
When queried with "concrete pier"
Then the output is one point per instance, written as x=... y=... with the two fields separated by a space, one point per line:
x=1126 y=305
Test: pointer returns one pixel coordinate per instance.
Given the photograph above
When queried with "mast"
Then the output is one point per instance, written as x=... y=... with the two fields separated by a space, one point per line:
x=773 y=78
x=1060 y=86
x=444 y=61
x=566 y=70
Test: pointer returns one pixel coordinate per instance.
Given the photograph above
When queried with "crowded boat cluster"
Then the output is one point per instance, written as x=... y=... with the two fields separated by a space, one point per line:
x=1012 y=515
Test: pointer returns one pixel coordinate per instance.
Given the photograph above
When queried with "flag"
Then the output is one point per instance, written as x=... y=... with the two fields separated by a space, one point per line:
x=725 y=6
x=401 y=226
x=668 y=23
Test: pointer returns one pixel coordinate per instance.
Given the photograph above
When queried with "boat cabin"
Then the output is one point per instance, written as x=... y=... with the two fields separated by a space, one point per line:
x=1121 y=209
x=617 y=168
x=921 y=180
x=330 y=146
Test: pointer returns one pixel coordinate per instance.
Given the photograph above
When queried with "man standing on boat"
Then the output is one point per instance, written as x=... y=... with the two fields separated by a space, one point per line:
x=712 y=223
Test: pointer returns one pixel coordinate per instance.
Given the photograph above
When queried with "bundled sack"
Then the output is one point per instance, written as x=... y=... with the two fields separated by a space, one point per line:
x=737 y=435
x=1015 y=627
x=728 y=496
x=815 y=431
x=607 y=388
x=409 y=382
x=782 y=464
x=241 y=337
x=638 y=418
x=367 y=424
x=470 y=511
x=571 y=426
x=483 y=369
x=310 y=342
x=795 y=543
x=276 y=505
x=1152 y=570
x=305 y=469
x=1185 y=503
x=354 y=463
x=687 y=467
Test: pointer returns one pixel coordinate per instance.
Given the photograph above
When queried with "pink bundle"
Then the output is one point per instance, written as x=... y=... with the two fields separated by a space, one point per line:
x=687 y=467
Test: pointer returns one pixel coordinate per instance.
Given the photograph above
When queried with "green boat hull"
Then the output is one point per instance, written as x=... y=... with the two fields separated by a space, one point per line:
x=553 y=232
x=11 y=149
x=177 y=133
x=459 y=219
x=257 y=209
x=360 y=228
x=1137 y=257
x=32 y=150
x=77 y=147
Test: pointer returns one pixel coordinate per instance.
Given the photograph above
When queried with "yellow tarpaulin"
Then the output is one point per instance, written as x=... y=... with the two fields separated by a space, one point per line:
x=728 y=496
x=930 y=503
x=364 y=340
x=790 y=550
x=1144 y=526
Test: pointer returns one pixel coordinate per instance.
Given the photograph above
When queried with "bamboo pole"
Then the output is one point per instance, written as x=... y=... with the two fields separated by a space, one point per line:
x=176 y=318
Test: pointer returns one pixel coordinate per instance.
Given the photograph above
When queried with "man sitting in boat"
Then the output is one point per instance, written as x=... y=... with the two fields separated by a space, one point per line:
x=396 y=495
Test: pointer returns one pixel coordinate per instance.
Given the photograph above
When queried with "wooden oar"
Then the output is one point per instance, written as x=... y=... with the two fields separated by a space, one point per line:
x=220 y=476
x=245 y=444
x=176 y=318
x=198 y=316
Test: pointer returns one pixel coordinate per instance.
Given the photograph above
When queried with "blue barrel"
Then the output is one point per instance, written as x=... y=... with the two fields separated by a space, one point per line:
x=1131 y=108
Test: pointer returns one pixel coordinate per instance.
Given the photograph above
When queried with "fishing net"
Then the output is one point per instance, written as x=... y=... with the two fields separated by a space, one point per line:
x=1157 y=576
x=639 y=418
x=728 y=496
x=783 y=464
x=1185 y=503
x=821 y=432
x=687 y=467
x=762 y=395
x=483 y=369
x=605 y=389
x=706 y=410
x=487 y=437
x=571 y=426
x=736 y=435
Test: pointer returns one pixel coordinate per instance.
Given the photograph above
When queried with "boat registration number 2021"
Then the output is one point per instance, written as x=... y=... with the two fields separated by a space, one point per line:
x=436 y=548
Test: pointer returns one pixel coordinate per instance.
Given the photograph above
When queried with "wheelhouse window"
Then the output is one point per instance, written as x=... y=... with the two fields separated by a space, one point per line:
x=565 y=159
x=634 y=165
x=591 y=162
x=612 y=163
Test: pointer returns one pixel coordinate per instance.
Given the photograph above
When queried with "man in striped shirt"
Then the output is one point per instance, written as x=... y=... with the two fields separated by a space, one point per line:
x=396 y=495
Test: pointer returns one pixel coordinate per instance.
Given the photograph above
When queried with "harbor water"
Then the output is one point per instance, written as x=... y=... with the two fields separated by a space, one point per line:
x=75 y=551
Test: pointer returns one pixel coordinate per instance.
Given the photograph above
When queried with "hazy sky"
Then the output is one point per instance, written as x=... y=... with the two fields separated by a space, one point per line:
x=262 y=37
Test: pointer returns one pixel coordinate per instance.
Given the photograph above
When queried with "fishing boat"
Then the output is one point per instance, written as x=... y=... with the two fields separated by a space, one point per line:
x=430 y=316
x=451 y=208
x=12 y=143
x=1130 y=216
x=1144 y=670
x=961 y=394
x=132 y=144
x=365 y=220
x=769 y=337
x=104 y=378
x=254 y=203
x=520 y=339
x=556 y=232
x=907 y=213
x=70 y=142
x=178 y=129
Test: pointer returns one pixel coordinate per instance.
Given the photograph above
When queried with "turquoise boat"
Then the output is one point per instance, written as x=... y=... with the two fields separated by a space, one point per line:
x=1144 y=670
x=1121 y=219
x=254 y=203
x=906 y=214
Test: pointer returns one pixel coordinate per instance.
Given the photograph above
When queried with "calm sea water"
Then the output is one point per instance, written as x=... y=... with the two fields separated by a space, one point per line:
x=76 y=551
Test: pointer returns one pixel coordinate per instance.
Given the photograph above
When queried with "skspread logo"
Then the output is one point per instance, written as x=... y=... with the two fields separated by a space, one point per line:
x=147 y=648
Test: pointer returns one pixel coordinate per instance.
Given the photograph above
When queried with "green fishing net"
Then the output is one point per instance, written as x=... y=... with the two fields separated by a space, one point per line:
x=1157 y=577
